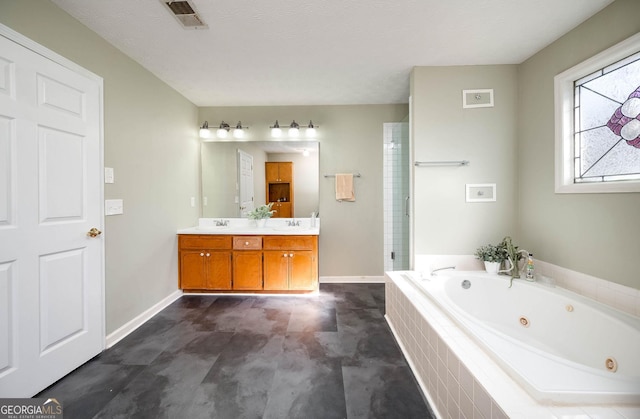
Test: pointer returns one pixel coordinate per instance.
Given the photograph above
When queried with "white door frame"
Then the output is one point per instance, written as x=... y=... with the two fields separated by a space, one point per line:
x=27 y=43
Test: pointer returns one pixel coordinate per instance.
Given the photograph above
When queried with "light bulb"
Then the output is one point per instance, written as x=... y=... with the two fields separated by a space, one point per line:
x=311 y=130
x=222 y=133
x=204 y=130
x=294 y=130
x=276 y=131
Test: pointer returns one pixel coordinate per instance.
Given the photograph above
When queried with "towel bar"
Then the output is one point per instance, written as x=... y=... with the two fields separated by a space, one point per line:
x=442 y=163
x=354 y=175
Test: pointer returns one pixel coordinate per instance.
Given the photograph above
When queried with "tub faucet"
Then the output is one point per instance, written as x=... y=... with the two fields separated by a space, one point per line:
x=433 y=273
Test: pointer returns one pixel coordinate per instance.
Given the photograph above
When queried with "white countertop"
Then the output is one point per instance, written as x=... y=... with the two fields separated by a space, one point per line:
x=243 y=226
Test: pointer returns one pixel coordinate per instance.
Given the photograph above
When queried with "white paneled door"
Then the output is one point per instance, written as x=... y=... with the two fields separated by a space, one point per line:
x=245 y=183
x=51 y=269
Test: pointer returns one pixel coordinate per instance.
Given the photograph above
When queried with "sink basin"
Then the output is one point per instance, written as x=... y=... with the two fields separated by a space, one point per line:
x=212 y=228
x=290 y=228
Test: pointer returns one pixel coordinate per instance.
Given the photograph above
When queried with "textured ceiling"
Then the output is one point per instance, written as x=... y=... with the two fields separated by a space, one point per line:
x=301 y=52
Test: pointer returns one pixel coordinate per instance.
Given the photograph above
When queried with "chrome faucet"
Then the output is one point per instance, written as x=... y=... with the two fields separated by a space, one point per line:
x=222 y=223
x=293 y=223
x=433 y=273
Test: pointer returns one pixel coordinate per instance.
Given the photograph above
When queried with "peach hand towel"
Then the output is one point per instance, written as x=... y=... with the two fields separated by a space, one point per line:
x=344 y=187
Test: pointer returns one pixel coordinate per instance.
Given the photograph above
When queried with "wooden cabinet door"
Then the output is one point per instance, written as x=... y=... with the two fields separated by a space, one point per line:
x=271 y=172
x=276 y=270
x=193 y=272
x=218 y=270
x=275 y=172
x=302 y=270
x=283 y=210
x=247 y=270
x=285 y=171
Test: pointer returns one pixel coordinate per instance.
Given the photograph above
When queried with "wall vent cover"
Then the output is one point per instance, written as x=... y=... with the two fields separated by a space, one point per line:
x=186 y=14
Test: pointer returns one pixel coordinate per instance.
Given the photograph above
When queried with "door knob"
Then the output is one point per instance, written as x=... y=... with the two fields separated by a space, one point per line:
x=94 y=232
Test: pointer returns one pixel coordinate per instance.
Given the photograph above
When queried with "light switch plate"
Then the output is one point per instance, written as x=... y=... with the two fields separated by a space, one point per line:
x=113 y=207
x=108 y=175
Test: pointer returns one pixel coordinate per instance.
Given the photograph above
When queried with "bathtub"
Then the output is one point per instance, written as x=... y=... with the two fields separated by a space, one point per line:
x=560 y=347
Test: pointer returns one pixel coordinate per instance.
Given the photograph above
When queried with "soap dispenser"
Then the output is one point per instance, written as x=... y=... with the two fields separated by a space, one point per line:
x=529 y=268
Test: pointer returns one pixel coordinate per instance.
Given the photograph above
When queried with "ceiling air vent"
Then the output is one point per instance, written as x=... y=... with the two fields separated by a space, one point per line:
x=186 y=14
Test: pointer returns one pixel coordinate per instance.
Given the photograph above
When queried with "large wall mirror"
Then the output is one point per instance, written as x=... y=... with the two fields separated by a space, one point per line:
x=225 y=173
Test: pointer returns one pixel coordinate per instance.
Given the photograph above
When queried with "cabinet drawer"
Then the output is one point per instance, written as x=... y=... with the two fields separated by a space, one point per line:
x=290 y=242
x=247 y=242
x=204 y=242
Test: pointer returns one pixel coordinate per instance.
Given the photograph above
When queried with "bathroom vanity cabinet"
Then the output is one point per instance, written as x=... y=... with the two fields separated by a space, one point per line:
x=248 y=263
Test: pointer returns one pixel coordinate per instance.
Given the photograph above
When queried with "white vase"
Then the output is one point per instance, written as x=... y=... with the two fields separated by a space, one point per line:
x=492 y=267
x=261 y=222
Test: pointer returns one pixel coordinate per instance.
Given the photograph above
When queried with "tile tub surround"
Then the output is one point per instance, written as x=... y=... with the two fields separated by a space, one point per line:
x=459 y=378
x=330 y=355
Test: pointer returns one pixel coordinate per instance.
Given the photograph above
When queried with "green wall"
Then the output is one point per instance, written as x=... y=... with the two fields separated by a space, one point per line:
x=597 y=234
x=150 y=139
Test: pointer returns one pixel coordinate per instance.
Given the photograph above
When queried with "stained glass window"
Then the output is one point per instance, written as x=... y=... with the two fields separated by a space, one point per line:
x=597 y=136
x=607 y=123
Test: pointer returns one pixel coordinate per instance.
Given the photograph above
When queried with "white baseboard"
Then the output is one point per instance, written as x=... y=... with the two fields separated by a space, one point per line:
x=352 y=279
x=120 y=333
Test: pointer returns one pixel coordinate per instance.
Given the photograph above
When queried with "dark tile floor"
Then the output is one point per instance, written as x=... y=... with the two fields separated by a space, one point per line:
x=325 y=356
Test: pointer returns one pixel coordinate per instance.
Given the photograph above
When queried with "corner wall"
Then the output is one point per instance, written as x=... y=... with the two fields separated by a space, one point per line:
x=596 y=234
x=444 y=224
x=150 y=139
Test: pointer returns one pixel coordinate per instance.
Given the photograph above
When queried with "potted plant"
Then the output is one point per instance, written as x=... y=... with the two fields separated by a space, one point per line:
x=492 y=256
x=261 y=214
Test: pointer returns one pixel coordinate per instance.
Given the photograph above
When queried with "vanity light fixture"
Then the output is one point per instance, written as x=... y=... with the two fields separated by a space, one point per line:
x=223 y=130
x=238 y=132
x=276 y=131
x=204 y=130
x=294 y=129
x=311 y=130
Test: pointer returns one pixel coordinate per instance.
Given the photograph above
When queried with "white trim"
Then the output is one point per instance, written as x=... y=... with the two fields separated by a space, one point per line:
x=122 y=332
x=352 y=279
x=563 y=99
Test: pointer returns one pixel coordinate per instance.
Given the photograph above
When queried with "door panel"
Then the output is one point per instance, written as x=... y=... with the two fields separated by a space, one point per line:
x=192 y=270
x=219 y=270
x=247 y=270
x=276 y=270
x=7 y=317
x=62 y=297
x=62 y=175
x=7 y=176
x=303 y=271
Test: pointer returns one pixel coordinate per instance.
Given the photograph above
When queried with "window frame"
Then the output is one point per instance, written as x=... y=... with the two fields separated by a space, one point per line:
x=564 y=121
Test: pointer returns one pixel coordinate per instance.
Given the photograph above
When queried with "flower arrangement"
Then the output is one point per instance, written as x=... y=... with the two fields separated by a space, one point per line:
x=491 y=253
x=262 y=212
